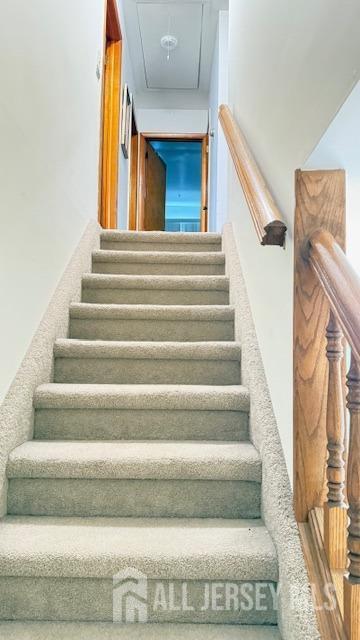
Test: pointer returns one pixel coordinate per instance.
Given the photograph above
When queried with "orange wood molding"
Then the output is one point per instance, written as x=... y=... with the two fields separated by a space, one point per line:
x=110 y=143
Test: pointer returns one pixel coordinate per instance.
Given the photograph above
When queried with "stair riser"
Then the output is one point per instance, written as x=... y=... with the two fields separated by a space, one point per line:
x=118 y=424
x=101 y=295
x=109 y=245
x=152 y=268
x=146 y=371
x=91 y=599
x=134 y=498
x=151 y=330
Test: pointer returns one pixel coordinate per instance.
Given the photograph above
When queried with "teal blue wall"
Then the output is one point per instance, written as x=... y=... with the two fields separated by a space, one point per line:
x=183 y=183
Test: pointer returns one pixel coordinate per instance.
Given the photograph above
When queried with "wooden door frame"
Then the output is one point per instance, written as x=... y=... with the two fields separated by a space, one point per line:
x=110 y=117
x=144 y=137
x=134 y=174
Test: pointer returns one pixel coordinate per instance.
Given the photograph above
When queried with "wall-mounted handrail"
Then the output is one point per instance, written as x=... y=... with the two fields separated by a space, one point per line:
x=266 y=216
x=341 y=285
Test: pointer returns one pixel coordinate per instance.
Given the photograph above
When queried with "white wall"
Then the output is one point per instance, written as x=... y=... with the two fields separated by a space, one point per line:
x=291 y=67
x=162 y=99
x=49 y=155
x=172 y=120
x=219 y=94
x=339 y=148
x=127 y=77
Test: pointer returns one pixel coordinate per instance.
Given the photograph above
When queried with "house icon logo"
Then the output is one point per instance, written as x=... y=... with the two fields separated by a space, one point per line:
x=130 y=597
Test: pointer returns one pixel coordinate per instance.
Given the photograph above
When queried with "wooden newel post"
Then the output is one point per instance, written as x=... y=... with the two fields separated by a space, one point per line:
x=352 y=579
x=335 y=510
x=320 y=204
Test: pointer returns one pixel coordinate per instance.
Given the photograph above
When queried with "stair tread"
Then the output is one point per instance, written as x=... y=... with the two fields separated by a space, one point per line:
x=162 y=548
x=152 y=311
x=109 y=631
x=70 y=348
x=136 y=460
x=161 y=236
x=160 y=257
x=183 y=282
x=144 y=396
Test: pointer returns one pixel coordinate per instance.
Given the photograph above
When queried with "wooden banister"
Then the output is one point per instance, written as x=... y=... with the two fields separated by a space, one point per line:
x=266 y=216
x=339 y=281
x=341 y=286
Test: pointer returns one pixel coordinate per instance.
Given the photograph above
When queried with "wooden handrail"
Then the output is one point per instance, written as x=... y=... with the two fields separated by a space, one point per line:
x=266 y=216
x=340 y=282
x=341 y=286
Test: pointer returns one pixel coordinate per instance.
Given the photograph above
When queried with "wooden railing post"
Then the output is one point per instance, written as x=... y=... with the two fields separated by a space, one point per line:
x=352 y=579
x=320 y=203
x=340 y=284
x=335 y=511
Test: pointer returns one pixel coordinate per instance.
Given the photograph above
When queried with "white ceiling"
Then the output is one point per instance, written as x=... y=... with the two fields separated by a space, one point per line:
x=183 y=80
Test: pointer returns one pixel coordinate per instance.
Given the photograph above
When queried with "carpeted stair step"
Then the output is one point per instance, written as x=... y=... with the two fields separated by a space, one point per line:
x=141 y=412
x=151 y=322
x=62 y=568
x=137 y=479
x=84 y=361
x=159 y=241
x=109 y=631
x=158 y=262
x=179 y=290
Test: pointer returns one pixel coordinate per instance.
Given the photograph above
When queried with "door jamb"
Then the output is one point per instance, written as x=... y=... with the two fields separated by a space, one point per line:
x=110 y=117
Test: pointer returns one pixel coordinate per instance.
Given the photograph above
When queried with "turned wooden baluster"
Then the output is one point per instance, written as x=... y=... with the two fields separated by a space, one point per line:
x=352 y=579
x=335 y=511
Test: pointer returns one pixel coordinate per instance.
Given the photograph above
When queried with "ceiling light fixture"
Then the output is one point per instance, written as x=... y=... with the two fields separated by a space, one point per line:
x=169 y=43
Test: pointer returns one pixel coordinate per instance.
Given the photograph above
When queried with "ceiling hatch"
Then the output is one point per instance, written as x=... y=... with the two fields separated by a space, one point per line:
x=181 y=68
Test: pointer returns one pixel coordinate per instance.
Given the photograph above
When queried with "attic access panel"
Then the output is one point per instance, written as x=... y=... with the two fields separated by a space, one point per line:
x=183 y=20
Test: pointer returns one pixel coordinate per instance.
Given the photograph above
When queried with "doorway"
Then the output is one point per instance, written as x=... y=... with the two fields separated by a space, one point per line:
x=183 y=183
x=173 y=182
x=110 y=118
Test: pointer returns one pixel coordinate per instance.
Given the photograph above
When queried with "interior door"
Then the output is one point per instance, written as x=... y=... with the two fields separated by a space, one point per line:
x=153 y=190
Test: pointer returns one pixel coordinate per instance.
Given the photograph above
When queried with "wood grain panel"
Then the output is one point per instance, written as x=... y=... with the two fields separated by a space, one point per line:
x=352 y=609
x=110 y=142
x=320 y=203
x=322 y=580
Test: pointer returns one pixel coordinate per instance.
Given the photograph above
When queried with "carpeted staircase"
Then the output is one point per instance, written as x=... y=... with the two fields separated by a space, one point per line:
x=141 y=459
